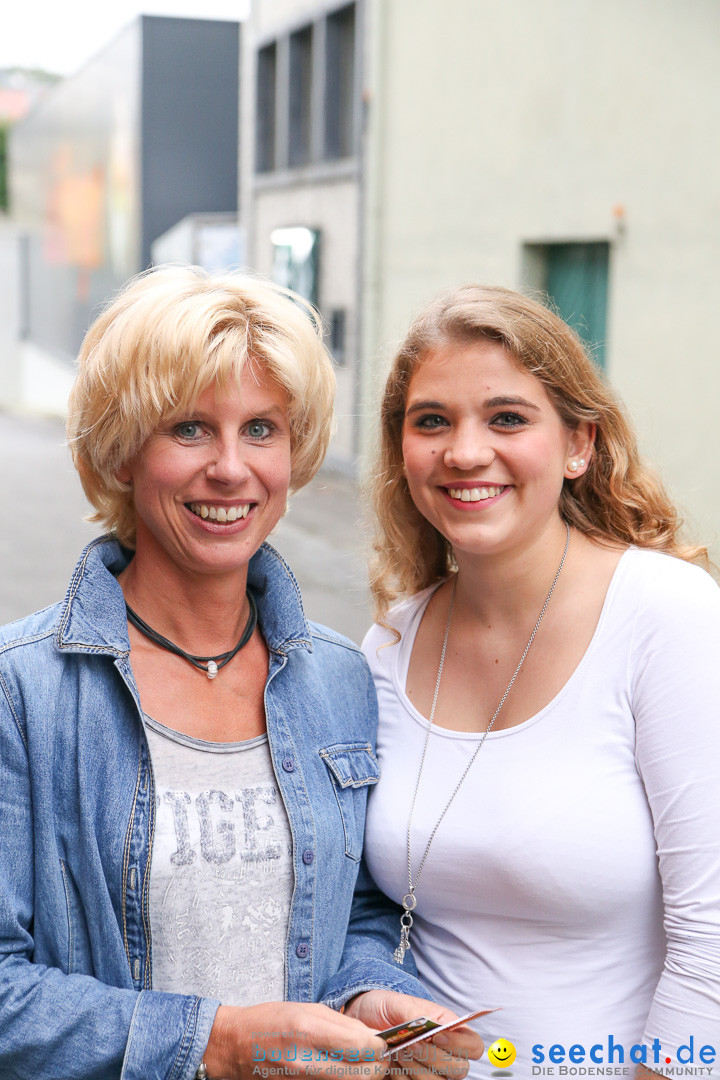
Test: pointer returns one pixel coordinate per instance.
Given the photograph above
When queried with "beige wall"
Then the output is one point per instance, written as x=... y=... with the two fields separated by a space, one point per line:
x=276 y=16
x=496 y=124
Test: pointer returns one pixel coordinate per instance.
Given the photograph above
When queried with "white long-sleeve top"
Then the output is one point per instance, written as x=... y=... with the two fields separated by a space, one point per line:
x=575 y=880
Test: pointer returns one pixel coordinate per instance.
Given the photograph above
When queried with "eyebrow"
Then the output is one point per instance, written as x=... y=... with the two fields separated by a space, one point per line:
x=258 y=414
x=500 y=402
x=420 y=405
x=491 y=403
x=274 y=410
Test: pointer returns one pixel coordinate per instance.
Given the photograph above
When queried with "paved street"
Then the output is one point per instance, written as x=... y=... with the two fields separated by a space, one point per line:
x=42 y=531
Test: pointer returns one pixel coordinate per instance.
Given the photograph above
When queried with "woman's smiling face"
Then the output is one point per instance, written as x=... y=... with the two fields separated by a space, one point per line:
x=485 y=451
x=210 y=485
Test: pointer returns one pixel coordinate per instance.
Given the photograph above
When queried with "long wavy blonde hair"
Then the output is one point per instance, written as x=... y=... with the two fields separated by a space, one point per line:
x=617 y=499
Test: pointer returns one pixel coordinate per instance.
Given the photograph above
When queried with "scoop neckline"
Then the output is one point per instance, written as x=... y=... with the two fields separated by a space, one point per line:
x=183 y=739
x=475 y=736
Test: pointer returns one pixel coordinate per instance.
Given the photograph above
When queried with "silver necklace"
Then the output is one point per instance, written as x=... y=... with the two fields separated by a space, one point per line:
x=409 y=900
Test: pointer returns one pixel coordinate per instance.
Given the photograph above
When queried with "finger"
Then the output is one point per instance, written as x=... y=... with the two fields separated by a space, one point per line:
x=427 y=1059
x=351 y=1034
x=462 y=1041
x=451 y=1067
x=343 y=1063
x=373 y=1065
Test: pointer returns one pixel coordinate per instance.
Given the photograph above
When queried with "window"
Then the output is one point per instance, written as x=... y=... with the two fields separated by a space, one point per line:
x=265 y=120
x=340 y=83
x=295 y=260
x=575 y=278
x=300 y=111
x=306 y=94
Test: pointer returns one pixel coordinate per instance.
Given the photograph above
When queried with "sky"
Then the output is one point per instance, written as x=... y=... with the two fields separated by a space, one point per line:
x=61 y=37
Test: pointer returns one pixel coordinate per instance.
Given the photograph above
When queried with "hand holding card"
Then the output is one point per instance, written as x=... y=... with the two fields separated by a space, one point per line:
x=387 y=1010
x=415 y=1031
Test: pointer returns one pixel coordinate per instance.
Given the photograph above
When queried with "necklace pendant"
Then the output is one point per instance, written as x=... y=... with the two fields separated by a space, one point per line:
x=406 y=921
x=399 y=954
x=404 y=944
x=212 y=669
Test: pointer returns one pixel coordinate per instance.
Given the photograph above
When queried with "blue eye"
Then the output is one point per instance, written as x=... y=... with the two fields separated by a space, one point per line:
x=259 y=429
x=430 y=422
x=508 y=420
x=188 y=429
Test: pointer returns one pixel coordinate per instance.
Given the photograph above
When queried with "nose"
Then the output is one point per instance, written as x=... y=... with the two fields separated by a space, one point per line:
x=470 y=447
x=228 y=463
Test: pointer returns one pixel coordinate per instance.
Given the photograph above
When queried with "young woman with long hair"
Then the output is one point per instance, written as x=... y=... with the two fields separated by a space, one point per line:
x=548 y=815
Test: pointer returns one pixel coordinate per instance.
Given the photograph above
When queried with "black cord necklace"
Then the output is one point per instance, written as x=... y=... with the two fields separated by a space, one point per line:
x=209 y=664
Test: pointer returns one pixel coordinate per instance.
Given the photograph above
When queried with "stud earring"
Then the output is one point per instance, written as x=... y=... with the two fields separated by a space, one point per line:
x=573 y=466
x=582 y=462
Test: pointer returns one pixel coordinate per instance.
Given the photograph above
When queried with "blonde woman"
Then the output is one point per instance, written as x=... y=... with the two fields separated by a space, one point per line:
x=185 y=759
x=548 y=813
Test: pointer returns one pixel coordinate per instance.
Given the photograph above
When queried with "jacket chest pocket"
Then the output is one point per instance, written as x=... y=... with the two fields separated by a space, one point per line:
x=353 y=770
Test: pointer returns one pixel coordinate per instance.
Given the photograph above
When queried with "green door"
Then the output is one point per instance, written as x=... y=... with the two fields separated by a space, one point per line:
x=577 y=283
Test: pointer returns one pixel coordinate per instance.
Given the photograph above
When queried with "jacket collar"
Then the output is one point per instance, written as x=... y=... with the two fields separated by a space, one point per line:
x=93 y=619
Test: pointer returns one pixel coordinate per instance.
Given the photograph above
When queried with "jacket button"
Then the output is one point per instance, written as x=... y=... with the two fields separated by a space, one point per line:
x=288 y=764
x=308 y=857
x=303 y=950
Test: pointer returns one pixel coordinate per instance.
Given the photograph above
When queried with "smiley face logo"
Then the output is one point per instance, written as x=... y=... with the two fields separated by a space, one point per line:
x=501 y=1053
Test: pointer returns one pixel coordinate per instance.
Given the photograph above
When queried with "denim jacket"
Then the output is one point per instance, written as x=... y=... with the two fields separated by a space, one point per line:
x=77 y=806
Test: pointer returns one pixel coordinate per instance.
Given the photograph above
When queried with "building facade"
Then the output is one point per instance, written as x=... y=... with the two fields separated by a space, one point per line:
x=567 y=147
x=390 y=149
x=109 y=160
x=301 y=169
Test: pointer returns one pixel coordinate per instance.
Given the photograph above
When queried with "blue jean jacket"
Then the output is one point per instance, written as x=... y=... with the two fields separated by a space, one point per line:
x=77 y=807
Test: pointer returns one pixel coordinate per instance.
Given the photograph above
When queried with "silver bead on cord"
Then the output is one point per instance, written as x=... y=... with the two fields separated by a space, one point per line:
x=409 y=900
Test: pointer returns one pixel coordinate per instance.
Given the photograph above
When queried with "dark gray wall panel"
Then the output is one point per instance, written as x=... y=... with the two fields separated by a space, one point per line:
x=189 y=121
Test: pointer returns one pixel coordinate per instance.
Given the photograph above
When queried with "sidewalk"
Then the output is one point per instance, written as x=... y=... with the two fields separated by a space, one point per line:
x=42 y=531
x=323 y=540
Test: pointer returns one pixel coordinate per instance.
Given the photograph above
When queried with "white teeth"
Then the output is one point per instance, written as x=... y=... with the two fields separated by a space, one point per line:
x=220 y=513
x=475 y=494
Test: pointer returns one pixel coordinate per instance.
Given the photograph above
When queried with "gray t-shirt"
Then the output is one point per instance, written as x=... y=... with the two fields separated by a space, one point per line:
x=221 y=877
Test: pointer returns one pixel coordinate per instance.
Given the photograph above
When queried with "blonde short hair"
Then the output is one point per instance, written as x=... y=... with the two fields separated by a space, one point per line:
x=618 y=499
x=168 y=335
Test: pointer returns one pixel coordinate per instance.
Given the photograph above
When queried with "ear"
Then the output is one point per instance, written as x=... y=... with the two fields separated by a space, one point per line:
x=580 y=448
x=124 y=474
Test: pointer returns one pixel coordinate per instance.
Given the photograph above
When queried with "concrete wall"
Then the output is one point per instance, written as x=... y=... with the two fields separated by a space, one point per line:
x=10 y=314
x=144 y=134
x=330 y=208
x=73 y=170
x=31 y=379
x=322 y=195
x=492 y=125
x=269 y=17
x=189 y=125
